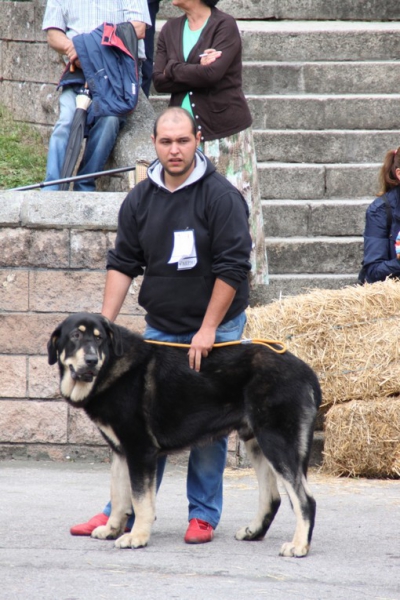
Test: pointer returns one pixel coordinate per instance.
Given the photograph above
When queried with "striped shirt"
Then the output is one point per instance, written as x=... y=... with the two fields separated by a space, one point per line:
x=82 y=16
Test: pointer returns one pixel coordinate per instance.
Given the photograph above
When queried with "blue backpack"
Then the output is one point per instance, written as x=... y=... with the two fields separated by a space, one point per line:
x=109 y=60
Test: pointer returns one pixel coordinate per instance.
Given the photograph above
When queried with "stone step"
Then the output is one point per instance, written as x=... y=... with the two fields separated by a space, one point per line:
x=353 y=10
x=358 y=77
x=332 y=146
x=323 y=255
x=307 y=41
x=317 y=182
x=320 y=77
x=311 y=219
x=316 y=111
x=293 y=284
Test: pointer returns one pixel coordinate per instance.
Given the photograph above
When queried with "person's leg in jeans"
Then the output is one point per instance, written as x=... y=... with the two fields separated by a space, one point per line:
x=59 y=138
x=99 y=144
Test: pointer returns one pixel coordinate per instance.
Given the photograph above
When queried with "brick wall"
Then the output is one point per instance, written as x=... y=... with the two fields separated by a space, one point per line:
x=52 y=260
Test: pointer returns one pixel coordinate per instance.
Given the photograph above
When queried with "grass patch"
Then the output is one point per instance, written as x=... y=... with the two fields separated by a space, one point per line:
x=22 y=153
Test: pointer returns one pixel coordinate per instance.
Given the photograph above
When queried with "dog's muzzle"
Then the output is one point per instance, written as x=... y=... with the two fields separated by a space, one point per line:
x=88 y=372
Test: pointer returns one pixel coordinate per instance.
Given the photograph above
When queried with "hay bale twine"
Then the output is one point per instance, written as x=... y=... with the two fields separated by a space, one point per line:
x=362 y=438
x=348 y=336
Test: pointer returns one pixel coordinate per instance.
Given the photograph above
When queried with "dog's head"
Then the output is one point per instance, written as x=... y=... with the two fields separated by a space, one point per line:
x=82 y=344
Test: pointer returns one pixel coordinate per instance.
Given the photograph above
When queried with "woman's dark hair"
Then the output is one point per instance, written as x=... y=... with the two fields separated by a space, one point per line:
x=387 y=175
x=210 y=3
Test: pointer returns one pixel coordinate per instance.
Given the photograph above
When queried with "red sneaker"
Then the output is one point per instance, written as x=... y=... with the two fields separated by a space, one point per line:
x=87 y=528
x=199 y=532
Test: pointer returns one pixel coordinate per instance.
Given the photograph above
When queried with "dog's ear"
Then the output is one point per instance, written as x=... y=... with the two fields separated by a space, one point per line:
x=52 y=346
x=114 y=333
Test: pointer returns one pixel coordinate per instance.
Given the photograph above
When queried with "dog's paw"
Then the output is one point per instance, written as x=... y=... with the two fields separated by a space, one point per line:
x=105 y=532
x=247 y=533
x=290 y=549
x=128 y=540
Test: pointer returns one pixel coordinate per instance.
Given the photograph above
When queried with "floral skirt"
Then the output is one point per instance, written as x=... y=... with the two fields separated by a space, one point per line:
x=235 y=158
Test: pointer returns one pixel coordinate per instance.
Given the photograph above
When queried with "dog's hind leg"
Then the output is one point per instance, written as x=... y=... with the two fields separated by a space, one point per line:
x=304 y=507
x=121 y=507
x=269 y=498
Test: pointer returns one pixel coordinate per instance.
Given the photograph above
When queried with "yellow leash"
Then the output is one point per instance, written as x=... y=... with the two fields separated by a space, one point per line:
x=262 y=342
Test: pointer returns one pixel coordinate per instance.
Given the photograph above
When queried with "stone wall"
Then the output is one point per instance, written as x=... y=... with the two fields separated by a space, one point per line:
x=51 y=264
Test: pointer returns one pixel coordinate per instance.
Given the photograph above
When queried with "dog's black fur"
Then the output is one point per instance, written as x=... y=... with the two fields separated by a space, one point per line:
x=146 y=401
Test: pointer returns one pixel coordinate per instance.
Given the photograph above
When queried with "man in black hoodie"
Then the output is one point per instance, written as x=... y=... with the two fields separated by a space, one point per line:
x=186 y=229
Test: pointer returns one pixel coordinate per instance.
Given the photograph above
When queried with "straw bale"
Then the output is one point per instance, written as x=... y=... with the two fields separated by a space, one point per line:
x=348 y=336
x=363 y=439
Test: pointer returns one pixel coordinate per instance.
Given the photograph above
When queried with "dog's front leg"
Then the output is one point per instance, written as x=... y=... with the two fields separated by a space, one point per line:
x=121 y=507
x=144 y=506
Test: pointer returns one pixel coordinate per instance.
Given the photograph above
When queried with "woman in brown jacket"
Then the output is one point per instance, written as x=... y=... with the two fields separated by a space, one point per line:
x=199 y=62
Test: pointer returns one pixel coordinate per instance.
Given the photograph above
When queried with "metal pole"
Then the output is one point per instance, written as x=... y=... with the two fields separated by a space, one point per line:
x=43 y=184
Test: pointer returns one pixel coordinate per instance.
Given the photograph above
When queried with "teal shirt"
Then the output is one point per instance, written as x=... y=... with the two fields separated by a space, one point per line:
x=190 y=39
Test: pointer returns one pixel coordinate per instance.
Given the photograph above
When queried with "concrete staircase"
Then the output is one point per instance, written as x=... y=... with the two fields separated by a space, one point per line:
x=325 y=99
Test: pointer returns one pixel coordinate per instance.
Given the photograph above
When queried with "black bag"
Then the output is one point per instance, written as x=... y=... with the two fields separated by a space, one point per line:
x=361 y=279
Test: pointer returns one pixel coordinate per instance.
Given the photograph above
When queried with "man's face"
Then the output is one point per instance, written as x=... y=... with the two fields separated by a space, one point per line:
x=175 y=145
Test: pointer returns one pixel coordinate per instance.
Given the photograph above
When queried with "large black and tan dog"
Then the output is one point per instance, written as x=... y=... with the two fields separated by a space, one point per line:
x=146 y=401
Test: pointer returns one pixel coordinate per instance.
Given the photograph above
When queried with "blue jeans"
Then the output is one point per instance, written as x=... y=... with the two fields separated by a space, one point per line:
x=100 y=142
x=206 y=464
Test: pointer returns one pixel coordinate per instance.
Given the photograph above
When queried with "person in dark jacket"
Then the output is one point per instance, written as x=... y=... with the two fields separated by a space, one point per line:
x=185 y=229
x=63 y=20
x=380 y=259
x=147 y=65
x=199 y=62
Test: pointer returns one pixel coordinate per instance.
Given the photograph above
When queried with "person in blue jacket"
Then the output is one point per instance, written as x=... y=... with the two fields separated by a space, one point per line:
x=63 y=20
x=382 y=224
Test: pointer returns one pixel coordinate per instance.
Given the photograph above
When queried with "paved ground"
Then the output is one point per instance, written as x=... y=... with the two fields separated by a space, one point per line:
x=355 y=554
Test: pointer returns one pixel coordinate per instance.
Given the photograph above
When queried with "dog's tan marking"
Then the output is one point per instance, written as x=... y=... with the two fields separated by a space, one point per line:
x=96 y=332
x=121 y=366
x=82 y=328
x=299 y=546
x=81 y=390
x=150 y=391
x=67 y=384
x=145 y=511
x=121 y=504
x=109 y=434
x=75 y=390
x=267 y=491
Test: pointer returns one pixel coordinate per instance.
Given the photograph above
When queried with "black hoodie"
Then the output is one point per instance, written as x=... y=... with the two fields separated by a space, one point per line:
x=176 y=300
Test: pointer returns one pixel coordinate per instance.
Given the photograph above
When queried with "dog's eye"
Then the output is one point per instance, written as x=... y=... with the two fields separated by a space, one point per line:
x=75 y=335
x=98 y=337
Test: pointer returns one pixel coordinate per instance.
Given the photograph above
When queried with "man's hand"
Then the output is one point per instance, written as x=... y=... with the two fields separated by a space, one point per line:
x=200 y=346
x=61 y=43
x=203 y=341
x=140 y=29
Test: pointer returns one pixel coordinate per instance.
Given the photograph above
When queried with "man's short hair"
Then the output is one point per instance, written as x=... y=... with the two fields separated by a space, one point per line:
x=182 y=112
